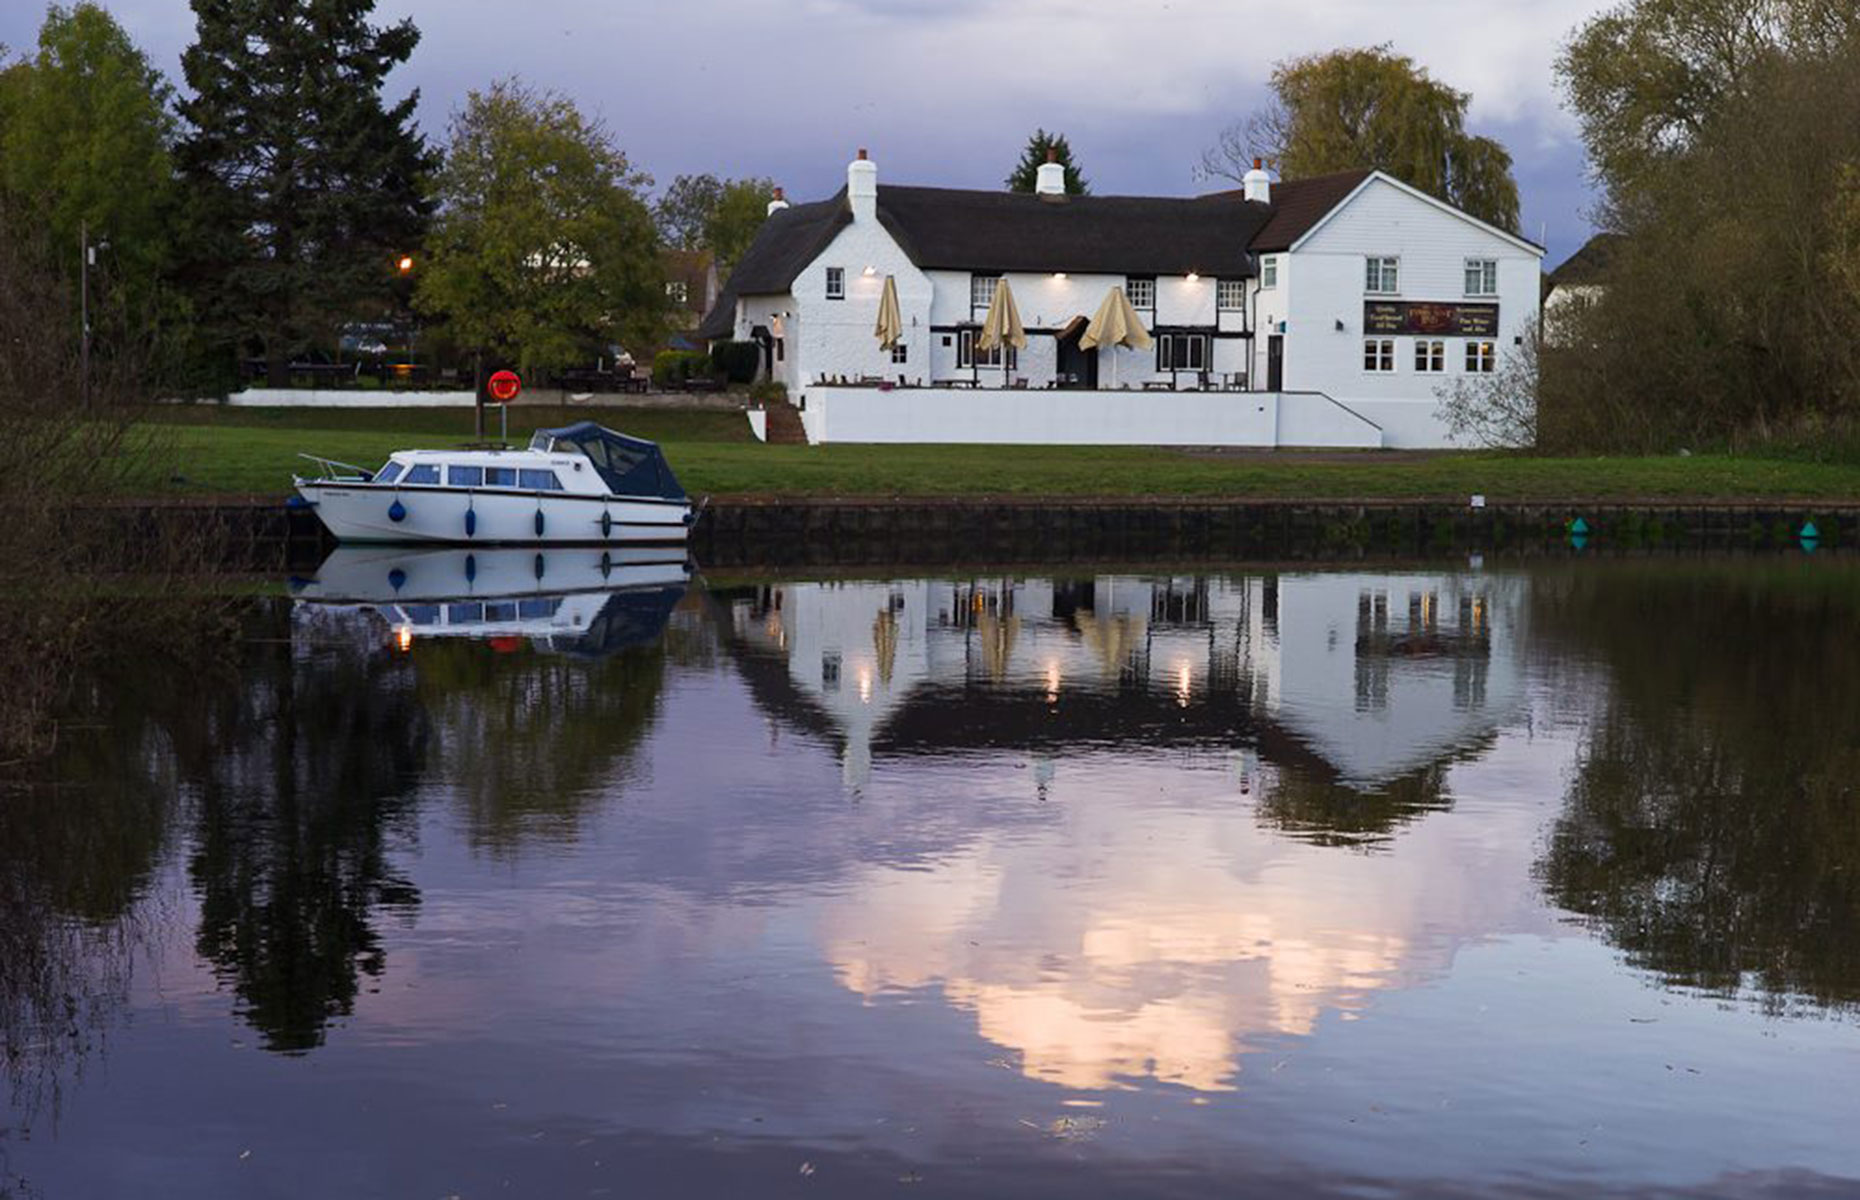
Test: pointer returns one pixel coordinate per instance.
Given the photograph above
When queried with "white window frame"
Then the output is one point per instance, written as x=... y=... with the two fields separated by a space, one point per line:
x=1379 y=356
x=1481 y=356
x=1430 y=356
x=1230 y=295
x=1487 y=282
x=968 y=358
x=836 y=283
x=1197 y=346
x=1382 y=275
x=1268 y=272
x=1141 y=292
x=982 y=291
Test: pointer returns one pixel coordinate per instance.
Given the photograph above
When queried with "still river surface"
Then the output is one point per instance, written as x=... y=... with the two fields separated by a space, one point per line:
x=435 y=879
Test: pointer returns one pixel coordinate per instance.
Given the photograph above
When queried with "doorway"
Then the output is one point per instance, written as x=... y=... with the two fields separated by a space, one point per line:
x=1275 y=363
x=1077 y=367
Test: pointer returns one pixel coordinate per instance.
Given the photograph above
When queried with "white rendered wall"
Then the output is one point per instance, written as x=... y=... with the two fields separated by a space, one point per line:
x=342 y=398
x=1124 y=417
x=1321 y=286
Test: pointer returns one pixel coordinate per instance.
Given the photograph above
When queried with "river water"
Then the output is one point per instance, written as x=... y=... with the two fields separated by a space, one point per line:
x=445 y=875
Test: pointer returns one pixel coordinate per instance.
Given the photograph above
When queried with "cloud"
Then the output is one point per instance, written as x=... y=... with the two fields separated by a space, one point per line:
x=946 y=91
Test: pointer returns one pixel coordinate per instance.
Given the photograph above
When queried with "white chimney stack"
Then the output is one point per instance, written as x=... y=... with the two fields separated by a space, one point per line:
x=1050 y=179
x=777 y=202
x=1257 y=183
x=862 y=187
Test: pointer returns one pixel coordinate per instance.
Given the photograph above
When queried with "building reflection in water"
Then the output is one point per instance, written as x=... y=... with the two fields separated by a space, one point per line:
x=1135 y=936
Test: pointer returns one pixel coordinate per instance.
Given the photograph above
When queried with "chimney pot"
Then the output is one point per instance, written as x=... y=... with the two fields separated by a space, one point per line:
x=1259 y=164
x=1052 y=155
x=862 y=154
x=862 y=187
x=1257 y=185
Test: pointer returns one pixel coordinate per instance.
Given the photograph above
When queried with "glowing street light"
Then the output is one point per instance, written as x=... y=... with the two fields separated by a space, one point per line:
x=405 y=264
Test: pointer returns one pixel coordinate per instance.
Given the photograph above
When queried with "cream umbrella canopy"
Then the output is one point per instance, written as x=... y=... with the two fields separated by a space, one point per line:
x=1115 y=324
x=890 y=326
x=1003 y=327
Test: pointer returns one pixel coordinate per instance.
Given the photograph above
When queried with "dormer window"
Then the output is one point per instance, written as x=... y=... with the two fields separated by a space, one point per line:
x=1382 y=276
x=836 y=283
x=982 y=290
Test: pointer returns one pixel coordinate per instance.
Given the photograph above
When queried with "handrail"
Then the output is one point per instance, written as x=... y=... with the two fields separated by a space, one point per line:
x=1340 y=404
x=329 y=465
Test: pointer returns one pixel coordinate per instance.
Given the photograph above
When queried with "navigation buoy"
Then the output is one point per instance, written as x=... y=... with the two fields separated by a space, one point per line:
x=397 y=512
x=1809 y=532
x=1579 y=526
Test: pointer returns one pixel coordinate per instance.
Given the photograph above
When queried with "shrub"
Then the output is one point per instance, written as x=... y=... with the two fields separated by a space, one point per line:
x=672 y=367
x=735 y=361
x=767 y=390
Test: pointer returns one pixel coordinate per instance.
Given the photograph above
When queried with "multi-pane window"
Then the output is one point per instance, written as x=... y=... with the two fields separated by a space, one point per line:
x=968 y=354
x=1481 y=357
x=458 y=476
x=1382 y=276
x=836 y=283
x=1482 y=277
x=542 y=481
x=1230 y=295
x=1141 y=290
x=982 y=290
x=677 y=291
x=1269 y=271
x=1430 y=358
x=1379 y=354
x=1181 y=351
x=899 y=353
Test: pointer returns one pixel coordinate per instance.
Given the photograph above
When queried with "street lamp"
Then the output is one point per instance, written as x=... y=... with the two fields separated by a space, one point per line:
x=405 y=264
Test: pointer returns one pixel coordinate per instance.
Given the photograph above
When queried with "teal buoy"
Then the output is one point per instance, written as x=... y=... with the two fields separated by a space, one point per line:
x=1578 y=540
x=397 y=512
x=1579 y=527
x=1809 y=532
x=539 y=522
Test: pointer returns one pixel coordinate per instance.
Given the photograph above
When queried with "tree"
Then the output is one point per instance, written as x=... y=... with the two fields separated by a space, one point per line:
x=703 y=212
x=84 y=138
x=543 y=249
x=307 y=187
x=1371 y=109
x=1027 y=171
x=1496 y=410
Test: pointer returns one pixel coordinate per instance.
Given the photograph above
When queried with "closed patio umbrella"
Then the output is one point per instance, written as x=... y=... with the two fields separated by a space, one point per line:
x=1003 y=327
x=890 y=325
x=1115 y=324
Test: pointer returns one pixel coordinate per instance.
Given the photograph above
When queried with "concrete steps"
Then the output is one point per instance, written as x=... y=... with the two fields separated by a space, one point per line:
x=785 y=428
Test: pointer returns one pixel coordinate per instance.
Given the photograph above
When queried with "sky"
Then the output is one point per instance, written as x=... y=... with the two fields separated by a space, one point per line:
x=945 y=92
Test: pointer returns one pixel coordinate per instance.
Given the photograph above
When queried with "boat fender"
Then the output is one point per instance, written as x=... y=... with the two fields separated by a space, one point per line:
x=539 y=566
x=471 y=568
x=397 y=512
x=539 y=522
x=607 y=564
x=471 y=522
x=397 y=579
x=607 y=523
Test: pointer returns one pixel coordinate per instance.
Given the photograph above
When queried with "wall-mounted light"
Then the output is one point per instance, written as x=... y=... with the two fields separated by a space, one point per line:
x=1339 y=324
x=1059 y=275
x=1194 y=276
x=870 y=269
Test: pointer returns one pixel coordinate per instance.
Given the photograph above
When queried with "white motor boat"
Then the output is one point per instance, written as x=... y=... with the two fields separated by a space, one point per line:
x=576 y=485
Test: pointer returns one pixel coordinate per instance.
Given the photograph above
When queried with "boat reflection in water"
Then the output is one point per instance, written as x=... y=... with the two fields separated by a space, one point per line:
x=587 y=602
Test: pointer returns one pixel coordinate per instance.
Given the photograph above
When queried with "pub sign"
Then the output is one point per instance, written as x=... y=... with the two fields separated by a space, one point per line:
x=1429 y=318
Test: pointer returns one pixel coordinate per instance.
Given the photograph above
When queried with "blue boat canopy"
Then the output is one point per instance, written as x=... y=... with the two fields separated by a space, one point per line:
x=629 y=466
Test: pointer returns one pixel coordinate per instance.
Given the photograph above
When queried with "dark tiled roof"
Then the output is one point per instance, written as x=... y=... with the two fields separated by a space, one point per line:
x=1112 y=235
x=1589 y=264
x=1298 y=204
x=785 y=244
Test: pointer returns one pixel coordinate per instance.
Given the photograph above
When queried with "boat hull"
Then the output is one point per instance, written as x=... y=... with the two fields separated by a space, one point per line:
x=360 y=512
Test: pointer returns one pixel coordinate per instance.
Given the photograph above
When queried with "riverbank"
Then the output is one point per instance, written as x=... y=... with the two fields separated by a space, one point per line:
x=211 y=452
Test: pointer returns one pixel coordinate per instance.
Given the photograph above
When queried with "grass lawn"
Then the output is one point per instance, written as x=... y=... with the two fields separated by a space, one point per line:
x=210 y=450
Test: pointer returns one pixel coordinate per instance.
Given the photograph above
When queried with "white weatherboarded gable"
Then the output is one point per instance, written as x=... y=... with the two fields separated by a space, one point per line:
x=1322 y=290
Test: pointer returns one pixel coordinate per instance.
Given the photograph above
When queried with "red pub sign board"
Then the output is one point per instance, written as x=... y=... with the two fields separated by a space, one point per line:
x=1429 y=318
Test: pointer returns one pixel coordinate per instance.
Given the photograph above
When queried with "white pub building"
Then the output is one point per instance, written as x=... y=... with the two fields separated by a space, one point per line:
x=1317 y=312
